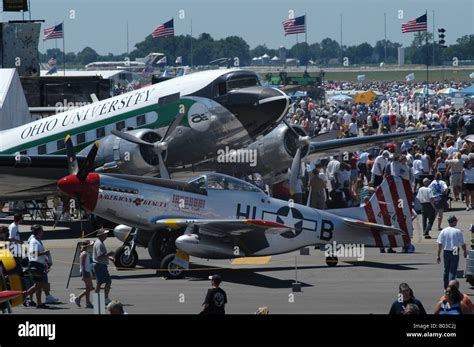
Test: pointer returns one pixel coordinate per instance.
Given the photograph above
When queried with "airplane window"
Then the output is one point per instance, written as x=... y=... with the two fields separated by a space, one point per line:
x=229 y=183
x=141 y=120
x=60 y=145
x=242 y=82
x=42 y=149
x=100 y=132
x=200 y=184
x=81 y=138
x=120 y=125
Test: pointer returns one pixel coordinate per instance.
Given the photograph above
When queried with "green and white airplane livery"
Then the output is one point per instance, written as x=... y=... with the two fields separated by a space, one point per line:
x=187 y=119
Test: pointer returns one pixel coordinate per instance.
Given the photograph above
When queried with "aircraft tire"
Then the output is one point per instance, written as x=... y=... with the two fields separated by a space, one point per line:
x=122 y=261
x=331 y=261
x=171 y=270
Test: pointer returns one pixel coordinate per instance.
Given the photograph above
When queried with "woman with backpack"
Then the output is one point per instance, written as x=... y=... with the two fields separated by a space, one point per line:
x=440 y=189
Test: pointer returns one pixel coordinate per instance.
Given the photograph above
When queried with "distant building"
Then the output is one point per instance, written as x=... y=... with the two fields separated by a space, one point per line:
x=282 y=53
x=401 y=56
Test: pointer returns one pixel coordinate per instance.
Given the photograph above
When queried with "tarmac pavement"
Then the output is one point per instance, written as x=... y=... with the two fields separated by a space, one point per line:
x=353 y=287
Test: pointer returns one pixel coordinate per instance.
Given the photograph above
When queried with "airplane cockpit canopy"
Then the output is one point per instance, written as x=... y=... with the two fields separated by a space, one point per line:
x=227 y=82
x=215 y=181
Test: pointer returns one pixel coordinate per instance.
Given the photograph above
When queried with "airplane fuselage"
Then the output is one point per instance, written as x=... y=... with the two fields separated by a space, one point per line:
x=140 y=204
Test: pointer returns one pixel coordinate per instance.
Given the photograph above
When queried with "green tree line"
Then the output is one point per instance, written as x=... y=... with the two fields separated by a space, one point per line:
x=206 y=49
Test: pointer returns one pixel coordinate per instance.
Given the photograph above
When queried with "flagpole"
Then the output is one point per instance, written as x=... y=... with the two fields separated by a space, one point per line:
x=305 y=31
x=64 y=51
x=191 y=43
x=128 y=51
x=305 y=38
x=427 y=61
x=385 y=43
x=433 y=37
x=342 y=53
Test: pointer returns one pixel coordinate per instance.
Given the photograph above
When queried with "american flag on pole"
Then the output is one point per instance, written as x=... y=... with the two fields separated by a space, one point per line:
x=52 y=61
x=165 y=29
x=55 y=32
x=294 y=25
x=419 y=24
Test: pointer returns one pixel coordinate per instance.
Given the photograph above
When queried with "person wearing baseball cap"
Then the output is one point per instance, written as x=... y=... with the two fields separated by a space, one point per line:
x=216 y=297
x=100 y=258
x=450 y=240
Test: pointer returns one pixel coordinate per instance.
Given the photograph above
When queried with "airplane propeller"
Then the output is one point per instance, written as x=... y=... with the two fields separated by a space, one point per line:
x=81 y=172
x=296 y=163
x=159 y=147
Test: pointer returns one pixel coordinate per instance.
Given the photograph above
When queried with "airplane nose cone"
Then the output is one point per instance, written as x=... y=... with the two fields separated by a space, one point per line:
x=257 y=108
x=87 y=191
x=187 y=243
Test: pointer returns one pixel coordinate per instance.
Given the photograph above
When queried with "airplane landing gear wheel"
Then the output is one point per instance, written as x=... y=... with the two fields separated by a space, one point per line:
x=170 y=269
x=124 y=258
x=331 y=261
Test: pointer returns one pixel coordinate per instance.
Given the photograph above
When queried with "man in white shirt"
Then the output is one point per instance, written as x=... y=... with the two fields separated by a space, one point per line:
x=428 y=212
x=417 y=171
x=378 y=168
x=13 y=229
x=450 y=240
x=347 y=118
x=14 y=236
x=425 y=162
x=332 y=169
x=38 y=258
x=353 y=130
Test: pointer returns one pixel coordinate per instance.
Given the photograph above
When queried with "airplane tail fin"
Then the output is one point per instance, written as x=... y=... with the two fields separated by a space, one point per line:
x=391 y=205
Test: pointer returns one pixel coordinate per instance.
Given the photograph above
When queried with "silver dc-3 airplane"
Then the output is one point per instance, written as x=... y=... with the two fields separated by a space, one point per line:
x=215 y=216
x=209 y=110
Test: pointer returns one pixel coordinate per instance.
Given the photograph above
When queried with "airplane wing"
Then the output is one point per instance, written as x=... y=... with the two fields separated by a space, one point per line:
x=249 y=235
x=234 y=227
x=383 y=229
x=31 y=176
x=353 y=144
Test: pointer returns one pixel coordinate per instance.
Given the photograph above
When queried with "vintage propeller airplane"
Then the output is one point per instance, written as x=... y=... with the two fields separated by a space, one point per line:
x=229 y=106
x=215 y=216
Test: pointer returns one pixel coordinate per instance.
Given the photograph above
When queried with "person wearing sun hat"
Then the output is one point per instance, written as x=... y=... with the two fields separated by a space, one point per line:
x=100 y=258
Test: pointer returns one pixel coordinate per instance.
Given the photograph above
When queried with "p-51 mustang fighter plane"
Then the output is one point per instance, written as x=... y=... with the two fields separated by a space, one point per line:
x=215 y=216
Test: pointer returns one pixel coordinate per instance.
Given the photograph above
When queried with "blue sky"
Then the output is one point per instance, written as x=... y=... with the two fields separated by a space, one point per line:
x=101 y=24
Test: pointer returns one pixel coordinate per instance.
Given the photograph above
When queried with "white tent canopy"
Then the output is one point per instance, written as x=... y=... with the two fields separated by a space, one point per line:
x=13 y=106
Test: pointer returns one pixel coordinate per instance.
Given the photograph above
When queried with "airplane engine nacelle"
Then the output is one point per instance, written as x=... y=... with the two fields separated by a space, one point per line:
x=120 y=156
x=205 y=247
x=276 y=151
x=121 y=232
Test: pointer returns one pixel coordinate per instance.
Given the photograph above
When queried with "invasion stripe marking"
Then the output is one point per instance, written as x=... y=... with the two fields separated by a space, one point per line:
x=384 y=212
x=399 y=210
x=371 y=217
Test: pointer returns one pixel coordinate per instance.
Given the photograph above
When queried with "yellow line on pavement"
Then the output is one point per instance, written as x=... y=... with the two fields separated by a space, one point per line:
x=251 y=261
